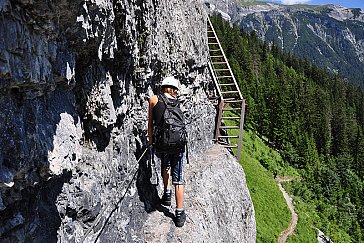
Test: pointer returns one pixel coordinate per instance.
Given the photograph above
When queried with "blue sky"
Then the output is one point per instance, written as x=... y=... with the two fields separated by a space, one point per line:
x=348 y=3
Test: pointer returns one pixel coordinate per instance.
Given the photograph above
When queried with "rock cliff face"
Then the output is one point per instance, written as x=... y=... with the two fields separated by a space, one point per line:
x=75 y=77
x=329 y=35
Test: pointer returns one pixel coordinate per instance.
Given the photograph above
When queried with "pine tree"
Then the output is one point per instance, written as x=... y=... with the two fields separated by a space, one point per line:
x=339 y=121
x=311 y=161
x=359 y=154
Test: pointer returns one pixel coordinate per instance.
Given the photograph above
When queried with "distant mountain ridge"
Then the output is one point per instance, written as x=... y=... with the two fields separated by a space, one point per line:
x=330 y=36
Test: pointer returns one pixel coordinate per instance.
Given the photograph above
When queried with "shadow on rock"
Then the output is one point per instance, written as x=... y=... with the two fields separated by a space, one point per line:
x=38 y=203
x=147 y=182
x=165 y=211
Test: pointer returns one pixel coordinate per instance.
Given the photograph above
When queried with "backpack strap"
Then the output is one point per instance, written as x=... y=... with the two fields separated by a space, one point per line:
x=187 y=159
x=166 y=101
x=163 y=98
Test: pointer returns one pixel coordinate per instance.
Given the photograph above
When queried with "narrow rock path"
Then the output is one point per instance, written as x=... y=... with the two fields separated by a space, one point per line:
x=292 y=226
x=217 y=203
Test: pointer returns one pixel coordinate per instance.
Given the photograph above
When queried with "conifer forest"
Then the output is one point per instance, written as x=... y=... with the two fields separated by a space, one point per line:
x=315 y=119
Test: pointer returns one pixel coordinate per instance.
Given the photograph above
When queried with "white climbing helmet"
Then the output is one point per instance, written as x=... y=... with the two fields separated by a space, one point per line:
x=170 y=81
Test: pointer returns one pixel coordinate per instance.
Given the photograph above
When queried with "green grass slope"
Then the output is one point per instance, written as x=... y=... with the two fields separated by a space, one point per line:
x=271 y=211
x=261 y=164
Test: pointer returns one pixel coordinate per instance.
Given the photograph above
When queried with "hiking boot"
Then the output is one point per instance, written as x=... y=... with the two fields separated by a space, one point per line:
x=180 y=219
x=166 y=199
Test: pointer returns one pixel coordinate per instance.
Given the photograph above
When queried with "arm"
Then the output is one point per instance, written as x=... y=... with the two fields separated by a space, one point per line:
x=152 y=102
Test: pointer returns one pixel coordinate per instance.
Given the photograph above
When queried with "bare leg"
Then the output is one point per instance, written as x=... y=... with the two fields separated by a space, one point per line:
x=179 y=196
x=166 y=174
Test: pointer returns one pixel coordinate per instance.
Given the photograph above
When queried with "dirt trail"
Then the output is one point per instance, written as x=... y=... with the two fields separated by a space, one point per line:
x=289 y=231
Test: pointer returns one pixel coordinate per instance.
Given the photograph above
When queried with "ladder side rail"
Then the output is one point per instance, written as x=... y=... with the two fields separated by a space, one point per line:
x=213 y=74
x=219 y=118
x=242 y=115
x=221 y=98
x=221 y=102
x=226 y=60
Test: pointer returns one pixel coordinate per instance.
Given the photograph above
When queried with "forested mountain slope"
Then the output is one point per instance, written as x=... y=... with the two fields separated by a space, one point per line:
x=330 y=36
x=313 y=118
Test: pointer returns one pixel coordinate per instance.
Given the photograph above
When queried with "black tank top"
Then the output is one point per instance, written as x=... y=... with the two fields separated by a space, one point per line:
x=158 y=110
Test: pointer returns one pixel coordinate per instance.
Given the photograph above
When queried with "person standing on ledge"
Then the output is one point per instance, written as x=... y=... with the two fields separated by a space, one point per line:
x=163 y=108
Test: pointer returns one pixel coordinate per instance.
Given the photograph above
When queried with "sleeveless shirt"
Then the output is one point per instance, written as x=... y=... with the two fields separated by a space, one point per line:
x=158 y=110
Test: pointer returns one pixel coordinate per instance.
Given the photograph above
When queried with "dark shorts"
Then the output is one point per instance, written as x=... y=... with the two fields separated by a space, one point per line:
x=175 y=162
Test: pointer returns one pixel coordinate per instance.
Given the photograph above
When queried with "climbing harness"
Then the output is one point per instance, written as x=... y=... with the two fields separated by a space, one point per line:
x=120 y=199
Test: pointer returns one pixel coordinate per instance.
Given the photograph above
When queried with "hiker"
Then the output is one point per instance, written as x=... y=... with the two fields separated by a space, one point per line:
x=171 y=156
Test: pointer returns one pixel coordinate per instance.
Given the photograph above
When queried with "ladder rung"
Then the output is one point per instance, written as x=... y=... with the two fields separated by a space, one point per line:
x=216 y=56
x=230 y=118
x=223 y=142
x=230 y=98
x=211 y=37
x=232 y=136
x=231 y=109
x=213 y=43
x=218 y=62
x=221 y=69
x=224 y=76
x=229 y=127
x=231 y=84
x=234 y=101
x=215 y=50
x=230 y=92
x=230 y=146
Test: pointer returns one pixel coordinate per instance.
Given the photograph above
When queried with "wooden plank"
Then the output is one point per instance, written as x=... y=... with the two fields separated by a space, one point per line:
x=234 y=101
x=230 y=92
x=230 y=117
x=229 y=98
x=229 y=127
x=228 y=136
x=231 y=109
x=219 y=62
x=231 y=84
x=230 y=146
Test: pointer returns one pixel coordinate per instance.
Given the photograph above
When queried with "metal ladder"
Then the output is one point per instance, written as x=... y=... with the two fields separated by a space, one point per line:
x=229 y=95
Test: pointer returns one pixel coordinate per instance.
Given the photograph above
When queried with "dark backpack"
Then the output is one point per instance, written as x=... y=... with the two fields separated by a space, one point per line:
x=170 y=136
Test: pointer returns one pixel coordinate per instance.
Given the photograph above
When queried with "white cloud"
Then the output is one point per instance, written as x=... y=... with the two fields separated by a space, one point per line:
x=290 y=2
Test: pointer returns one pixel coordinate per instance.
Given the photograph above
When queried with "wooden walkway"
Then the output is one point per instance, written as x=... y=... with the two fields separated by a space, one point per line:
x=230 y=100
